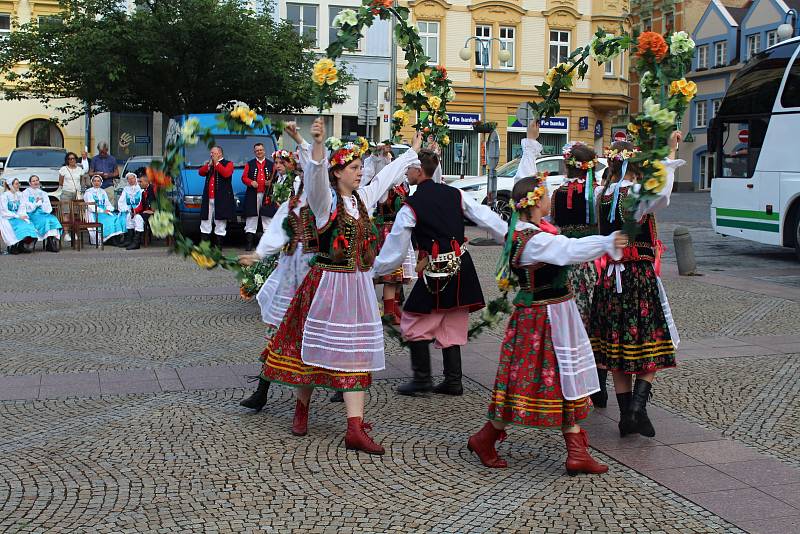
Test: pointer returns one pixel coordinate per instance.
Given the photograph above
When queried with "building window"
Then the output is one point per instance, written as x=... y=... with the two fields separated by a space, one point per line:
x=40 y=132
x=702 y=57
x=622 y=65
x=715 y=104
x=669 y=22
x=559 y=47
x=608 y=68
x=48 y=20
x=772 y=38
x=720 y=54
x=700 y=114
x=429 y=35
x=647 y=24
x=507 y=38
x=753 y=45
x=483 y=47
x=303 y=18
x=333 y=33
x=5 y=23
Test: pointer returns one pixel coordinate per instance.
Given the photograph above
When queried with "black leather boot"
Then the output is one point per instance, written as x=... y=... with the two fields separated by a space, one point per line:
x=136 y=242
x=421 y=367
x=451 y=360
x=638 y=413
x=128 y=239
x=249 y=240
x=600 y=399
x=258 y=399
x=54 y=244
x=624 y=401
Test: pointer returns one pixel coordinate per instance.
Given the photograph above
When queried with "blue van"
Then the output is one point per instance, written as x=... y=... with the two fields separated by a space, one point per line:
x=189 y=184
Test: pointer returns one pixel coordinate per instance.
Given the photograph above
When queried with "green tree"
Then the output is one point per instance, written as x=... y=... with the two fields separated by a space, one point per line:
x=172 y=56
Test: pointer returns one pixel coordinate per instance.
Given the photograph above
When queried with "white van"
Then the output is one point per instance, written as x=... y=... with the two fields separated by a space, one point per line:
x=755 y=139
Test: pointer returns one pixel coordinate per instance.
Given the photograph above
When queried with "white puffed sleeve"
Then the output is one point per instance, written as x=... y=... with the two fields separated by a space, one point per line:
x=562 y=250
x=484 y=217
x=651 y=206
x=395 y=248
x=274 y=237
x=531 y=148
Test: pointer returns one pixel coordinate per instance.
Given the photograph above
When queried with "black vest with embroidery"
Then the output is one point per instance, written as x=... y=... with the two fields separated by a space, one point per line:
x=539 y=283
x=355 y=237
x=301 y=228
x=439 y=229
x=644 y=245
x=386 y=212
x=571 y=222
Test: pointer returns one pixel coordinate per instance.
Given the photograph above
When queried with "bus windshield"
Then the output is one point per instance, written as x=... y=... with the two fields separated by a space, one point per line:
x=755 y=87
x=236 y=148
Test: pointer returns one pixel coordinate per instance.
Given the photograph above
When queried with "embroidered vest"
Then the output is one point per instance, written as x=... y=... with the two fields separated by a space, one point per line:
x=644 y=246
x=540 y=283
x=355 y=237
x=386 y=212
x=301 y=228
x=571 y=221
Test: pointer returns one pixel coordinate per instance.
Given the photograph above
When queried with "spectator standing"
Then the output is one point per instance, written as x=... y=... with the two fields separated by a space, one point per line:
x=218 y=204
x=105 y=165
x=257 y=172
x=69 y=180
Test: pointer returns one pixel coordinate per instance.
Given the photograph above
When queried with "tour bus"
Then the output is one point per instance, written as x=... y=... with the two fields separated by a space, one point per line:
x=237 y=148
x=755 y=139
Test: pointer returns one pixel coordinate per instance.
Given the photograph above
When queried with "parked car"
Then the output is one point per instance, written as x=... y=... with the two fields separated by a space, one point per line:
x=477 y=186
x=137 y=165
x=42 y=161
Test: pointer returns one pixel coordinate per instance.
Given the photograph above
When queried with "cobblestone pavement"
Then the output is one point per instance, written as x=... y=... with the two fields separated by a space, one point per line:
x=184 y=457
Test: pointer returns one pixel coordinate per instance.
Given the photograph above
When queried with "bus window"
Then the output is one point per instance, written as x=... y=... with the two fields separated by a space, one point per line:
x=755 y=87
x=739 y=147
x=791 y=92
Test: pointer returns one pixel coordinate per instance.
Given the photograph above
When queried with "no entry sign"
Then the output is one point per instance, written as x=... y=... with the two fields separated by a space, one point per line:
x=620 y=136
x=744 y=136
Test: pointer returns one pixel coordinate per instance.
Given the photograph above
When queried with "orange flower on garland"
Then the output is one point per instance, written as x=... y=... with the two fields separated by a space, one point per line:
x=654 y=43
x=158 y=179
x=383 y=3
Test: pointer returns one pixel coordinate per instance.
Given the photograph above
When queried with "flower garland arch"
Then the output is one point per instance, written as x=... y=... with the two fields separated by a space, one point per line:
x=427 y=89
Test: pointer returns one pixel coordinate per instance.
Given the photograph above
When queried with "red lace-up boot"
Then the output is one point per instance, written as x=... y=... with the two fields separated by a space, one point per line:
x=483 y=442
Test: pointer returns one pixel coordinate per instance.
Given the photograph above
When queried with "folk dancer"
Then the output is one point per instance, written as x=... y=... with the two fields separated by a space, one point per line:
x=573 y=212
x=632 y=329
x=40 y=213
x=546 y=369
x=293 y=233
x=18 y=232
x=332 y=335
x=218 y=204
x=448 y=289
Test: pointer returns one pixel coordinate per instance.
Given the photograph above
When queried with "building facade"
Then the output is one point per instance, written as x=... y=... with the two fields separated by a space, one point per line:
x=538 y=34
x=727 y=36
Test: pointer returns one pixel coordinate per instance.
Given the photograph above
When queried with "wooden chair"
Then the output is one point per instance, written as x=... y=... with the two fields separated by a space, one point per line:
x=79 y=215
x=56 y=205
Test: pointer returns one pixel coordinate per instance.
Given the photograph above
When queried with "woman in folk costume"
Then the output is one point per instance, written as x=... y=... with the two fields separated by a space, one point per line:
x=332 y=335
x=18 y=232
x=632 y=330
x=130 y=198
x=546 y=369
x=40 y=213
x=102 y=211
x=293 y=233
x=573 y=212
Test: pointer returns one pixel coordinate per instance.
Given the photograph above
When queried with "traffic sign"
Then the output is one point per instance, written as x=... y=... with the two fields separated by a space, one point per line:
x=620 y=136
x=744 y=136
x=525 y=113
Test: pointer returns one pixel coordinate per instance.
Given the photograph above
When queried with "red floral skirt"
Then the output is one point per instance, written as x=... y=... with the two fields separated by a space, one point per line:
x=527 y=390
x=282 y=356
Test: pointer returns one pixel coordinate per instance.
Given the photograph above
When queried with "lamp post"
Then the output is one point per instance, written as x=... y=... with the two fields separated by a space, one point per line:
x=787 y=29
x=485 y=44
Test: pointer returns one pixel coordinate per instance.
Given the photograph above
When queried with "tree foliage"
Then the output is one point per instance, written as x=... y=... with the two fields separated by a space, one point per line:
x=172 y=56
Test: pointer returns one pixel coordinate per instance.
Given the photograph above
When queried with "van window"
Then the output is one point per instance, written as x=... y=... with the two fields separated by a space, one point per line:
x=755 y=88
x=791 y=92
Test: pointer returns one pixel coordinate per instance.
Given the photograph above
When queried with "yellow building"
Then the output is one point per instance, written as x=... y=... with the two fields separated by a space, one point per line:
x=27 y=122
x=539 y=34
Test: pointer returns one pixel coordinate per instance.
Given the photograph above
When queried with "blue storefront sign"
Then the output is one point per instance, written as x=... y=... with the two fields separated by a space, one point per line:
x=555 y=123
x=462 y=119
x=583 y=123
x=598 y=129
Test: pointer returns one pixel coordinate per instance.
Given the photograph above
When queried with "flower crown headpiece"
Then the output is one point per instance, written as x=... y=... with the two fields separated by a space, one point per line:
x=285 y=155
x=533 y=196
x=619 y=155
x=344 y=153
x=570 y=160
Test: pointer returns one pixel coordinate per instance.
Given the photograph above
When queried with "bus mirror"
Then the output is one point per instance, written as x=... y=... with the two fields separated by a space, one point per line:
x=712 y=137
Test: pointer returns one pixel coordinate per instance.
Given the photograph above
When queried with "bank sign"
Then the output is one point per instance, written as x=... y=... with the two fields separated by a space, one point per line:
x=551 y=125
x=457 y=120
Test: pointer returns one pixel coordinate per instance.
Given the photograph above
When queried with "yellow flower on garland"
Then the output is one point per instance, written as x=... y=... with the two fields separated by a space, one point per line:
x=325 y=72
x=568 y=80
x=632 y=128
x=434 y=102
x=437 y=120
x=656 y=183
x=203 y=261
x=446 y=140
x=403 y=116
x=416 y=84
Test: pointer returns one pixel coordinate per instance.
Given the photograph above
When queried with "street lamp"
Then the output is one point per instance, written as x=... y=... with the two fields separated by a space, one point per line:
x=504 y=56
x=787 y=29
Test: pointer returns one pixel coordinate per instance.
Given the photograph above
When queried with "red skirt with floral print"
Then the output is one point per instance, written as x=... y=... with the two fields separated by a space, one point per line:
x=527 y=390
x=282 y=356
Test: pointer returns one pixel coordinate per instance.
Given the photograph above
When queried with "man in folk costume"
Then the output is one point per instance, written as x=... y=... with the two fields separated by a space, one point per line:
x=448 y=288
x=218 y=203
x=255 y=176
